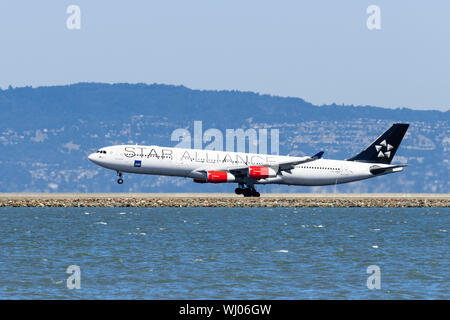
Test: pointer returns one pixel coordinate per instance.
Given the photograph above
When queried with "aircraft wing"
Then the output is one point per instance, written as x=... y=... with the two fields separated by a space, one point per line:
x=236 y=170
x=239 y=170
x=288 y=165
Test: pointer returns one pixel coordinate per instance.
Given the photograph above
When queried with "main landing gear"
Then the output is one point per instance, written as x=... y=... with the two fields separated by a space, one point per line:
x=119 y=180
x=248 y=191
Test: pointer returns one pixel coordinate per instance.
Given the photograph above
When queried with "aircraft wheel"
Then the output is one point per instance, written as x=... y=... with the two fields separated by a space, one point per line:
x=247 y=192
x=120 y=181
x=256 y=194
x=238 y=190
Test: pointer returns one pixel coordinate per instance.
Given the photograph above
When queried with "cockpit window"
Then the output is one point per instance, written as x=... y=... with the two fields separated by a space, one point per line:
x=101 y=151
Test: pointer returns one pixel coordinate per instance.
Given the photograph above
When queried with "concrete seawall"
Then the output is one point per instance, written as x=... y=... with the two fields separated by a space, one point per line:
x=221 y=200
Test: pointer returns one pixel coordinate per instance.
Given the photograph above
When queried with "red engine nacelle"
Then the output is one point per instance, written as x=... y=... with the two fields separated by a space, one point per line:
x=219 y=176
x=255 y=172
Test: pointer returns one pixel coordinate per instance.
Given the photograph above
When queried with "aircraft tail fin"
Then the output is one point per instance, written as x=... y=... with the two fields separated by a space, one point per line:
x=383 y=149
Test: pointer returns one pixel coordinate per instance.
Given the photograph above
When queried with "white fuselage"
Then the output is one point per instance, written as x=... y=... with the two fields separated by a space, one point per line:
x=192 y=163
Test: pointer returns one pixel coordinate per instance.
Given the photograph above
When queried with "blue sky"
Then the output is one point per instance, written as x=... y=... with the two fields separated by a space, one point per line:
x=320 y=51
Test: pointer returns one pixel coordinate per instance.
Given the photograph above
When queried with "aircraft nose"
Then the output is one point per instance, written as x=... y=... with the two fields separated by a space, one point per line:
x=92 y=157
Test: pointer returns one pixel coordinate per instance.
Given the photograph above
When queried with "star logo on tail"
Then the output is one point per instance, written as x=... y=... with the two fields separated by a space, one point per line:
x=384 y=149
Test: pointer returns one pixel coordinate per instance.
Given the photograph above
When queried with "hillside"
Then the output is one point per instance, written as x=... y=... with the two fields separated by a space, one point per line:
x=46 y=134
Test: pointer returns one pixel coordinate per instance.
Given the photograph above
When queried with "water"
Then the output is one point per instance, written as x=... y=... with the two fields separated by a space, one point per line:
x=224 y=253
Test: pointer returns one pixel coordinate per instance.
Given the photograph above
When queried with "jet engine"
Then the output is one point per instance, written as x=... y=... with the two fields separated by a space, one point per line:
x=255 y=172
x=219 y=176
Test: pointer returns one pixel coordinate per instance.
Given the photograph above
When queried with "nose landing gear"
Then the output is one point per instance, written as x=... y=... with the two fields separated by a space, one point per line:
x=248 y=191
x=119 y=180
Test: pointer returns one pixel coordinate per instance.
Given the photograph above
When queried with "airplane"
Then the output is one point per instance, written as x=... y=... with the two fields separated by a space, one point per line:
x=248 y=169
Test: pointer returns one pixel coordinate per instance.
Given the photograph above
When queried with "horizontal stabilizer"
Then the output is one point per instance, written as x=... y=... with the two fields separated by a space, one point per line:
x=377 y=170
